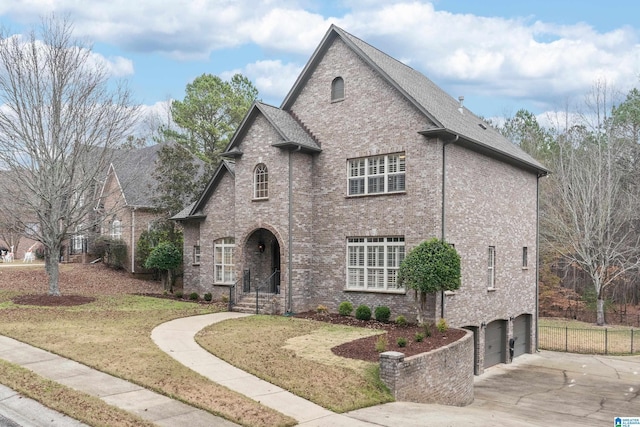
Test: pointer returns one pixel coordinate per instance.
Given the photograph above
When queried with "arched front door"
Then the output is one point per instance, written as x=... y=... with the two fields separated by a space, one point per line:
x=263 y=259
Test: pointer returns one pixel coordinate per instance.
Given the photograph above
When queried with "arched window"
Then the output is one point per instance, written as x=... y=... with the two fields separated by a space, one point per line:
x=337 y=89
x=261 y=182
x=116 y=229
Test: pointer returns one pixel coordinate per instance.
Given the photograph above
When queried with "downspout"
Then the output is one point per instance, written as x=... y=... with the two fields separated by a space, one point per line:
x=133 y=240
x=537 y=255
x=444 y=211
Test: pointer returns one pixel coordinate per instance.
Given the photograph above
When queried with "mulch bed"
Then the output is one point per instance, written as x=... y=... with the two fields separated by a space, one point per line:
x=52 y=301
x=365 y=348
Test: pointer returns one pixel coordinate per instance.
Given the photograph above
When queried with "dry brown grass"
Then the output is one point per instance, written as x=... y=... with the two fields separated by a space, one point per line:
x=310 y=370
x=88 y=409
x=113 y=335
x=580 y=337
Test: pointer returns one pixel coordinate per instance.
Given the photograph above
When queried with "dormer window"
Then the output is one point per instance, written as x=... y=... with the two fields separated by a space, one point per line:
x=337 y=89
x=261 y=182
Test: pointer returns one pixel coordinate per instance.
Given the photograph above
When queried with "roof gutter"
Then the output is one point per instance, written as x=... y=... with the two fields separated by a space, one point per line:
x=478 y=146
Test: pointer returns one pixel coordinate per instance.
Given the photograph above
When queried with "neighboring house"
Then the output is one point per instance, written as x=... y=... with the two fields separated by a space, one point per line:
x=318 y=201
x=126 y=200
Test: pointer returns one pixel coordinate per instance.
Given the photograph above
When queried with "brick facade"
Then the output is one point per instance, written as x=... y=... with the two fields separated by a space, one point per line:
x=471 y=198
x=443 y=376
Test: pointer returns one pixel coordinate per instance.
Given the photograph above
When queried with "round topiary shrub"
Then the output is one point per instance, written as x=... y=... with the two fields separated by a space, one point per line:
x=345 y=308
x=401 y=320
x=382 y=314
x=208 y=297
x=363 y=312
x=193 y=296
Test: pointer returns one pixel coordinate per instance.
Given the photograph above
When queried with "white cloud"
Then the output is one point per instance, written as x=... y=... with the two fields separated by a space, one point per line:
x=273 y=79
x=534 y=61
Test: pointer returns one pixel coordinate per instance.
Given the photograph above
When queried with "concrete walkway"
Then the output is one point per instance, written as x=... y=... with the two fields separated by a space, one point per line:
x=148 y=405
x=177 y=339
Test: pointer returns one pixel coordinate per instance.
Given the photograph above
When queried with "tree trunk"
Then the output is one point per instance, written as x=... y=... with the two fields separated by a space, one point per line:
x=600 y=312
x=51 y=265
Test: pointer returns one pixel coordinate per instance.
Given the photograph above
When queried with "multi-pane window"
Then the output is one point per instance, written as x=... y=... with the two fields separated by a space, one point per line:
x=373 y=262
x=491 y=266
x=196 y=254
x=337 y=89
x=375 y=175
x=525 y=256
x=261 y=182
x=223 y=260
x=116 y=229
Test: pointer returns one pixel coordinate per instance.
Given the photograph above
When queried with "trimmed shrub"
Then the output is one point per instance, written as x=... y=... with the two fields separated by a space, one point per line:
x=442 y=326
x=363 y=312
x=193 y=296
x=382 y=343
x=382 y=314
x=402 y=342
x=208 y=297
x=345 y=308
x=419 y=337
x=401 y=320
x=179 y=294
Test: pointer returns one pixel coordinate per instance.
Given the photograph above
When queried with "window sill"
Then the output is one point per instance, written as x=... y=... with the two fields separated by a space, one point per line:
x=450 y=293
x=222 y=284
x=261 y=199
x=196 y=264
x=393 y=193
x=333 y=101
x=377 y=291
x=525 y=268
x=491 y=289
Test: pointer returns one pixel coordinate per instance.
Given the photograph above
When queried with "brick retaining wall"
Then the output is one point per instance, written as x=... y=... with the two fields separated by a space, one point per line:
x=443 y=376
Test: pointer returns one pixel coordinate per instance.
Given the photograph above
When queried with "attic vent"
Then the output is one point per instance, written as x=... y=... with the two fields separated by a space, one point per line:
x=461 y=100
x=483 y=126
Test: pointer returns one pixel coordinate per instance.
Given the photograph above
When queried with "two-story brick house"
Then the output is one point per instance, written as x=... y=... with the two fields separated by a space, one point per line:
x=126 y=202
x=320 y=200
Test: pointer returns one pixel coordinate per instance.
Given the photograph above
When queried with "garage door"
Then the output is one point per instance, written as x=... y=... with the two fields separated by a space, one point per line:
x=494 y=343
x=521 y=335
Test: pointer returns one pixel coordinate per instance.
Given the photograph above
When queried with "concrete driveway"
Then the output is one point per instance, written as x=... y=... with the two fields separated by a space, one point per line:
x=543 y=389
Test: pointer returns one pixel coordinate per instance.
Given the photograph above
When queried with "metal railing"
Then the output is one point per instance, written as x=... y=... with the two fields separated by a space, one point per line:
x=589 y=341
x=263 y=289
x=268 y=283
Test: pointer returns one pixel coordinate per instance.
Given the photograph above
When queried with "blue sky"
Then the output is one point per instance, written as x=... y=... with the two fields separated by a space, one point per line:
x=502 y=55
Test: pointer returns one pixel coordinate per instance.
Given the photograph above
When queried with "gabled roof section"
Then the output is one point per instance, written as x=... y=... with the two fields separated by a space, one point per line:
x=134 y=170
x=442 y=109
x=293 y=134
x=195 y=210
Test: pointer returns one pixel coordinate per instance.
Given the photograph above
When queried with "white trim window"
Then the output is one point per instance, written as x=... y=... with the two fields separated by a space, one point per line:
x=116 y=229
x=373 y=263
x=223 y=260
x=491 y=267
x=261 y=182
x=376 y=175
x=196 y=255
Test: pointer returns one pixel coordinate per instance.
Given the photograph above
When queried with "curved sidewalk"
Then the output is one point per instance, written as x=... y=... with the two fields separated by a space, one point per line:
x=177 y=338
x=151 y=406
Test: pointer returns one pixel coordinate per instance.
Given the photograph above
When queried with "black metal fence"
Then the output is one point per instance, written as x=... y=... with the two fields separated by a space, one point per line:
x=589 y=341
x=611 y=316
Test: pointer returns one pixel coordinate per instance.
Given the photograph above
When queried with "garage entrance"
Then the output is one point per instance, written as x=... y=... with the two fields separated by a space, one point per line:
x=521 y=334
x=495 y=335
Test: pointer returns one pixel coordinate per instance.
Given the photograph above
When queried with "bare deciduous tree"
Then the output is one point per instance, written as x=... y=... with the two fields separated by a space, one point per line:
x=60 y=119
x=590 y=216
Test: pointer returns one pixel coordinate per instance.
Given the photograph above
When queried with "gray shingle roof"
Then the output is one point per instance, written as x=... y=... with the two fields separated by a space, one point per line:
x=434 y=102
x=134 y=169
x=290 y=130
